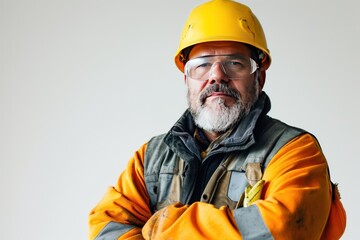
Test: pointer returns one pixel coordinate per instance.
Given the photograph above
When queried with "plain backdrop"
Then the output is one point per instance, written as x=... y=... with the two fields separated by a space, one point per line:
x=84 y=83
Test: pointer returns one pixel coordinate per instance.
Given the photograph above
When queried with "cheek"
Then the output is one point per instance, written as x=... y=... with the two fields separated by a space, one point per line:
x=195 y=88
x=244 y=87
x=193 y=95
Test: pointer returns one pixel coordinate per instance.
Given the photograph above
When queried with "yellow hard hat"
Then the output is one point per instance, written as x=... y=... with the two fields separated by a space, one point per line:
x=222 y=20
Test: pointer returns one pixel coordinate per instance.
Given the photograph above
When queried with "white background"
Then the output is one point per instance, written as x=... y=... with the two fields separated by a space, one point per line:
x=83 y=84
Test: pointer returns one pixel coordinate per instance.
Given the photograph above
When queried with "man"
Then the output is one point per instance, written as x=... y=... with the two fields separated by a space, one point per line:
x=225 y=170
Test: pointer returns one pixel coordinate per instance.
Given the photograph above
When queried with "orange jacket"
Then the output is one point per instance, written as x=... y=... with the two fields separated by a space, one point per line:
x=295 y=204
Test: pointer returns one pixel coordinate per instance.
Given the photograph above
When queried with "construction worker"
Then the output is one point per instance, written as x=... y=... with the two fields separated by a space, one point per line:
x=225 y=170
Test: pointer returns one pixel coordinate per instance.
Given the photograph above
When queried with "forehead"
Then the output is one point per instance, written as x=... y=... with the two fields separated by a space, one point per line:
x=219 y=48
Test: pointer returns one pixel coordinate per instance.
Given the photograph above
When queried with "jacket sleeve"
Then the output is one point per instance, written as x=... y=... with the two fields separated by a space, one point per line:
x=125 y=207
x=295 y=203
x=296 y=196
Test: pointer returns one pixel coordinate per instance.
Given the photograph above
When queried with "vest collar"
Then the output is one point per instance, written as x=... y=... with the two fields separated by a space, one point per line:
x=241 y=137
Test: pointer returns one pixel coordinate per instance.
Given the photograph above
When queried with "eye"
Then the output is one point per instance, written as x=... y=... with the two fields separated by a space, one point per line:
x=204 y=65
x=236 y=64
x=198 y=67
x=202 y=68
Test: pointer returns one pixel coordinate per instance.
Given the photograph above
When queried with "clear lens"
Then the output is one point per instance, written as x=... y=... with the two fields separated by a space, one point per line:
x=234 y=66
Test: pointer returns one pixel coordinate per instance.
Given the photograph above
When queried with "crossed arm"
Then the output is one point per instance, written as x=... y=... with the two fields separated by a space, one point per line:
x=296 y=202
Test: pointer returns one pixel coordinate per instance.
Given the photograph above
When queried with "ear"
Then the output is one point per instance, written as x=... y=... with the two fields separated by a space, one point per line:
x=261 y=79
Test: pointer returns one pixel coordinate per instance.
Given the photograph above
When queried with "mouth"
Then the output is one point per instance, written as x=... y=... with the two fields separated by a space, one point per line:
x=219 y=94
x=214 y=95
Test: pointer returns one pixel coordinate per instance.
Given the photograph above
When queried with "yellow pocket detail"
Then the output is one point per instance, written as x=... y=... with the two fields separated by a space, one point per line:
x=253 y=193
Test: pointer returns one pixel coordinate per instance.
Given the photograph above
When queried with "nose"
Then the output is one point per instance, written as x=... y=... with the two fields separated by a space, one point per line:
x=217 y=74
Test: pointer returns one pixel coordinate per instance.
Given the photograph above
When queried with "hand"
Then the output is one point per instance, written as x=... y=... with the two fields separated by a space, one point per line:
x=162 y=220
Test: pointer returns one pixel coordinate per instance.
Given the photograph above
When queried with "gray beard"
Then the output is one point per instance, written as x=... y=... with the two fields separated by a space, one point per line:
x=223 y=117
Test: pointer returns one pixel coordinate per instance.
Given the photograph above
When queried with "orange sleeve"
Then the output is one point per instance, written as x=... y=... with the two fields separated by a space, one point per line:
x=124 y=209
x=297 y=193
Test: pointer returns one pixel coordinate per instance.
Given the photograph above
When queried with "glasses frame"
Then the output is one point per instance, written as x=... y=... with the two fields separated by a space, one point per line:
x=253 y=64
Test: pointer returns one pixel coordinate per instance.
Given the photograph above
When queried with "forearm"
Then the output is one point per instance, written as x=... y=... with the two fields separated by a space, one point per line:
x=197 y=221
x=115 y=215
x=124 y=209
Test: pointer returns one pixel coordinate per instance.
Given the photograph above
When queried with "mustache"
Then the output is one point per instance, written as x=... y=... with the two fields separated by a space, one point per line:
x=219 y=88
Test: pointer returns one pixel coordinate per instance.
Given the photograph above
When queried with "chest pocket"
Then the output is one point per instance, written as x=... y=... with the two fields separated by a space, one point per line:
x=227 y=184
x=170 y=184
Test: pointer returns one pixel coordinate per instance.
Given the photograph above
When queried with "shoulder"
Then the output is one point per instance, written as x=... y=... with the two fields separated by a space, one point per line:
x=156 y=152
x=272 y=125
x=302 y=152
x=290 y=136
x=156 y=144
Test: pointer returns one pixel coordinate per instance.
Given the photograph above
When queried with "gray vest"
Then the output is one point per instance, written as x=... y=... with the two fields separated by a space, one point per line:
x=170 y=179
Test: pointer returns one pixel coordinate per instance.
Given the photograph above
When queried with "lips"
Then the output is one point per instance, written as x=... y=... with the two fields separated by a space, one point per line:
x=214 y=94
x=218 y=96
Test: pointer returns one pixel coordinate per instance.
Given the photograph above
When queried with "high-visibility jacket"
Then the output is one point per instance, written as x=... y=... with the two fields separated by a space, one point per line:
x=153 y=198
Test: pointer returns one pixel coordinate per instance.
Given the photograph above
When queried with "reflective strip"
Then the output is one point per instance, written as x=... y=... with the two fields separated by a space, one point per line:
x=113 y=231
x=251 y=224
